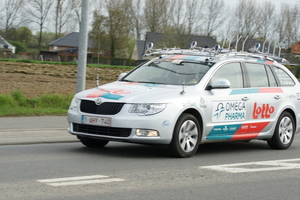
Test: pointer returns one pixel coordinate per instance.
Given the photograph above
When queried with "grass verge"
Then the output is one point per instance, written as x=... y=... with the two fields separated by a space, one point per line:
x=16 y=104
x=64 y=63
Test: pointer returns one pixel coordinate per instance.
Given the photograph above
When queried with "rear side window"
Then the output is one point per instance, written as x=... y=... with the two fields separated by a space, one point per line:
x=258 y=76
x=283 y=77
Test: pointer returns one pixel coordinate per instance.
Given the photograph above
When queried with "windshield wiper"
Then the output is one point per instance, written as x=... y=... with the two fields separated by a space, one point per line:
x=150 y=82
x=127 y=80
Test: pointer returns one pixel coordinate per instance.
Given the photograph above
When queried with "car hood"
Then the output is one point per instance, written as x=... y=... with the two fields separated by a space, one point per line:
x=132 y=92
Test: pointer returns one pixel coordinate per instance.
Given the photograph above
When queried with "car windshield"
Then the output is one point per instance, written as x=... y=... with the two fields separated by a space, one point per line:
x=167 y=72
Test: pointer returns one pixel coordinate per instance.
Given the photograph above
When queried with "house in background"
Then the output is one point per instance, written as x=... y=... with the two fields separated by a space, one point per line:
x=295 y=49
x=65 y=49
x=6 y=46
x=161 y=40
x=69 y=42
x=138 y=50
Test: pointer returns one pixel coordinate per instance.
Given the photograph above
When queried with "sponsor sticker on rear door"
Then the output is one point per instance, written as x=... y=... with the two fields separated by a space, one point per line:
x=229 y=111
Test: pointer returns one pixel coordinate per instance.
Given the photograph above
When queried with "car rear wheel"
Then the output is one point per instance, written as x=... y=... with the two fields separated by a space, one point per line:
x=284 y=132
x=186 y=136
x=93 y=143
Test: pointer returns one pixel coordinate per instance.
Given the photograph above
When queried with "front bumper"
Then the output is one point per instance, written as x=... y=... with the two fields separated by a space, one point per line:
x=124 y=125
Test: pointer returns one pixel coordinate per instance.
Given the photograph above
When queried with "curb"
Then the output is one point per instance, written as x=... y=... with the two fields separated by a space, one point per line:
x=36 y=140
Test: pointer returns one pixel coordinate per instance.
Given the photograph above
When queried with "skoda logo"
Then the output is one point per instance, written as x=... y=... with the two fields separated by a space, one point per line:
x=98 y=101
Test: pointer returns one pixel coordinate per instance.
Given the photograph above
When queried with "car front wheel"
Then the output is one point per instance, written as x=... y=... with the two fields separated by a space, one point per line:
x=186 y=136
x=93 y=143
x=284 y=132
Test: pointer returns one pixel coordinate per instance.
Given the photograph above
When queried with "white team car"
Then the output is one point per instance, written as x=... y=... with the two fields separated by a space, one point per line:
x=185 y=98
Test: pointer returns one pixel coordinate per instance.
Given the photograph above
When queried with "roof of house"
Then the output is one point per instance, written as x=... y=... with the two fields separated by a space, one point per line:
x=202 y=41
x=71 y=40
x=140 y=45
x=4 y=42
x=159 y=39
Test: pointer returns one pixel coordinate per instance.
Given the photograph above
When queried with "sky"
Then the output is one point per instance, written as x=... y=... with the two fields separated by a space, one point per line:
x=276 y=2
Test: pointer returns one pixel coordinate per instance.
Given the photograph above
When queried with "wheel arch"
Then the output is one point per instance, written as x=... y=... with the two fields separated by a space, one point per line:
x=197 y=115
x=293 y=115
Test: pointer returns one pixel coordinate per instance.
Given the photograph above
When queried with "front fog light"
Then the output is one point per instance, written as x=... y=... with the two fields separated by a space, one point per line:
x=146 y=133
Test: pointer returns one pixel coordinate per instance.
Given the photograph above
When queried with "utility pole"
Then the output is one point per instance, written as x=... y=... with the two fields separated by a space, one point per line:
x=83 y=45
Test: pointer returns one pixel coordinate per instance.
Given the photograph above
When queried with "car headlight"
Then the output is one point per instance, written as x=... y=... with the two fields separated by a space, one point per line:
x=74 y=103
x=147 y=108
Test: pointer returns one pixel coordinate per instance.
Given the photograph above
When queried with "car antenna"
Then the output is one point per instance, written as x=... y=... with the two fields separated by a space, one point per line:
x=183 y=83
x=97 y=80
x=98 y=65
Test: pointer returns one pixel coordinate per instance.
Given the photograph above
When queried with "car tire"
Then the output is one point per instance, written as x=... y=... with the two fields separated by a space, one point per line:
x=186 y=136
x=284 y=132
x=93 y=143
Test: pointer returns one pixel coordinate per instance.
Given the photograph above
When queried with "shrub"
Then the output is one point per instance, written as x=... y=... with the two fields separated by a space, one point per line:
x=20 y=47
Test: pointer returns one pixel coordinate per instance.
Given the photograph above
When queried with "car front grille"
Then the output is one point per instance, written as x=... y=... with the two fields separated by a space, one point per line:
x=106 y=108
x=100 y=130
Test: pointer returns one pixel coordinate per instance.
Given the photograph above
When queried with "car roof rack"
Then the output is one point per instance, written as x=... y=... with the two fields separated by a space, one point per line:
x=215 y=53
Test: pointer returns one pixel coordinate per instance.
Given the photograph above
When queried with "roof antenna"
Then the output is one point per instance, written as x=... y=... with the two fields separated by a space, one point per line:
x=183 y=83
x=229 y=45
x=279 y=47
x=263 y=47
x=269 y=46
x=244 y=43
x=237 y=41
x=224 y=43
x=274 y=49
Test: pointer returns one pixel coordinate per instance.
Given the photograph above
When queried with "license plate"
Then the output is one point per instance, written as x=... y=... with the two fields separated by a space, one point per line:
x=102 y=121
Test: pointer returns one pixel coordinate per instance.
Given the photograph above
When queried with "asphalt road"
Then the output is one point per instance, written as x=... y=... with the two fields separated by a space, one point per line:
x=130 y=171
x=34 y=130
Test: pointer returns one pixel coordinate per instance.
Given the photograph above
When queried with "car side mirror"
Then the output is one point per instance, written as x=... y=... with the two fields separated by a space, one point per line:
x=122 y=75
x=220 y=83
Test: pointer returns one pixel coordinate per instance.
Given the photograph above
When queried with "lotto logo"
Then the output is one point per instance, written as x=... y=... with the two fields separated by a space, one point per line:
x=265 y=111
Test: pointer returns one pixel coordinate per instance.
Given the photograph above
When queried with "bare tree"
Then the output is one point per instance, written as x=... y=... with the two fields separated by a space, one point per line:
x=267 y=17
x=12 y=14
x=245 y=19
x=76 y=6
x=213 y=16
x=178 y=19
x=193 y=15
x=155 y=15
x=118 y=25
x=287 y=24
x=62 y=16
x=39 y=10
x=136 y=19
x=99 y=30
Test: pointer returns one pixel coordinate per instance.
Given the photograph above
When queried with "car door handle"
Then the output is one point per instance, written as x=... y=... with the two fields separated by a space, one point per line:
x=245 y=98
x=277 y=97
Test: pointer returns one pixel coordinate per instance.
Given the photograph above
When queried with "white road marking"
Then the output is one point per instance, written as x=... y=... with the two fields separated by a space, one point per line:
x=80 y=180
x=71 y=178
x=256 y=166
